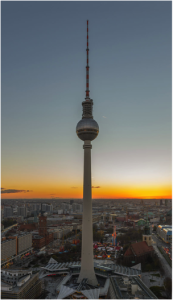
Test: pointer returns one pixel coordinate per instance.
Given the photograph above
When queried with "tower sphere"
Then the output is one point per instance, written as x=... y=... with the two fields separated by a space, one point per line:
x=87 y=129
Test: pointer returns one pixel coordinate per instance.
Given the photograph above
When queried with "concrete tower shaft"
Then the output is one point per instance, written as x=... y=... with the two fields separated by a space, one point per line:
x=87 y=262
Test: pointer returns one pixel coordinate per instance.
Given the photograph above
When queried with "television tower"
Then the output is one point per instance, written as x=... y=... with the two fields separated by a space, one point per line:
x=87 y=130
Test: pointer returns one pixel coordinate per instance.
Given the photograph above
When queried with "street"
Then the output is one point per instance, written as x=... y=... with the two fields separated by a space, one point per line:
x=158 y=242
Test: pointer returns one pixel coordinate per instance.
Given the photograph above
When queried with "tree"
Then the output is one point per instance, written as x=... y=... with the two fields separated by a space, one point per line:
x=154 y=228
x=110 y=230
x=8 y=222
x=102 y=227
x=67 y=246
x=94 y=227
x=168 y=286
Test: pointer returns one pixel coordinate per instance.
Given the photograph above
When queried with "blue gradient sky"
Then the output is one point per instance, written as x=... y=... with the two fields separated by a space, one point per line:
x=43 y=85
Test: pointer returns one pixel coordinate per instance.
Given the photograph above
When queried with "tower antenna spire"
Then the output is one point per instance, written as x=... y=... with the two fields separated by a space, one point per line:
x=87 y=66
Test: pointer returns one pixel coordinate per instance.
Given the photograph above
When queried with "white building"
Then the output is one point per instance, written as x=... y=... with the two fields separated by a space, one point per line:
x=58 y=233
x=165 y=232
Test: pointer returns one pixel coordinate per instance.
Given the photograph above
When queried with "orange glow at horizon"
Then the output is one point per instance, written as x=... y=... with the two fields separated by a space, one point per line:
x=102 y=192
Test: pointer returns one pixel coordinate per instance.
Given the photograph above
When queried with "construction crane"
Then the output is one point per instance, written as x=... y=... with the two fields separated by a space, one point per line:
x=114 y=235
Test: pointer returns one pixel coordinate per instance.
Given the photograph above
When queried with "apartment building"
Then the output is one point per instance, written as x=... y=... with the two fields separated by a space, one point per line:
x=24 y=242
x=8 y=249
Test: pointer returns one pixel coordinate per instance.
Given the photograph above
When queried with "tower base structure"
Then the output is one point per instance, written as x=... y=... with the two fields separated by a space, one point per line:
x=87 y=261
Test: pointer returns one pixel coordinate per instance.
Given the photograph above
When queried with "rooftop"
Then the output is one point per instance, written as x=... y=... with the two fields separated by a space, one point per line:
x=100 y=266
x=70 y=286
x=14 y=280
x=131 y=288
x=138 y=249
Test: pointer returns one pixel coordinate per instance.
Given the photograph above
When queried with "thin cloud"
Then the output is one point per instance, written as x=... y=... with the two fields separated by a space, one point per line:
x=96 y=187
x=104 y=117
x=13 y=191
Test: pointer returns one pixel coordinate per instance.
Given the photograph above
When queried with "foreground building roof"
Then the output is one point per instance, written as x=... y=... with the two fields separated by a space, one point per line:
x=20 y=284
x=103 y=268
x=129 y=288
x=89 y=293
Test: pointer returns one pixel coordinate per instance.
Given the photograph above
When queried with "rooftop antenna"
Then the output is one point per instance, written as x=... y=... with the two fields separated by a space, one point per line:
x=87 y=67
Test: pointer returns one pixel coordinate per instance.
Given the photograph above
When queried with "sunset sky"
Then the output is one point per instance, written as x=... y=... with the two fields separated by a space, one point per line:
x=43 y=59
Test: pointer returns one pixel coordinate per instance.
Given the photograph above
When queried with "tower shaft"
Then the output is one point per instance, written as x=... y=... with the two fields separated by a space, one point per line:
x=87 y=262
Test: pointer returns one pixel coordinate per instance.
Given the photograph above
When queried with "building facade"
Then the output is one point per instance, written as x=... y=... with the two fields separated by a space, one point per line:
x=44 y=237
x=1 y=215
x=165 y=232
x=8 y=249
x=147 y=234
x=24 y=242
x=169 y=217
x=20 y=284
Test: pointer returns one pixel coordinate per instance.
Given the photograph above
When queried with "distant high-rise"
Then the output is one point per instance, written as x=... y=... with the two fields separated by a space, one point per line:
x=8 y=211
x=22 y=211
x=77 y=207
x=87 y=130
x=36 y=206
x=66 y=206
x=47 y=208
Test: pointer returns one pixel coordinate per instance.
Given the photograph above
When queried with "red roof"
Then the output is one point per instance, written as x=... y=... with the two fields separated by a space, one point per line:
x=121 y=219
x=128 y=252
x=138 y=249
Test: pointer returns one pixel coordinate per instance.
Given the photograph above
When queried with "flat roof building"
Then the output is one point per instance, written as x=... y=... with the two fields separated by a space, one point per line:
x=20 y=284
x=165 y=232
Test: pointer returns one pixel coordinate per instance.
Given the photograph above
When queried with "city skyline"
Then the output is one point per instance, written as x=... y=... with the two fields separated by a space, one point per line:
x=43 y=85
